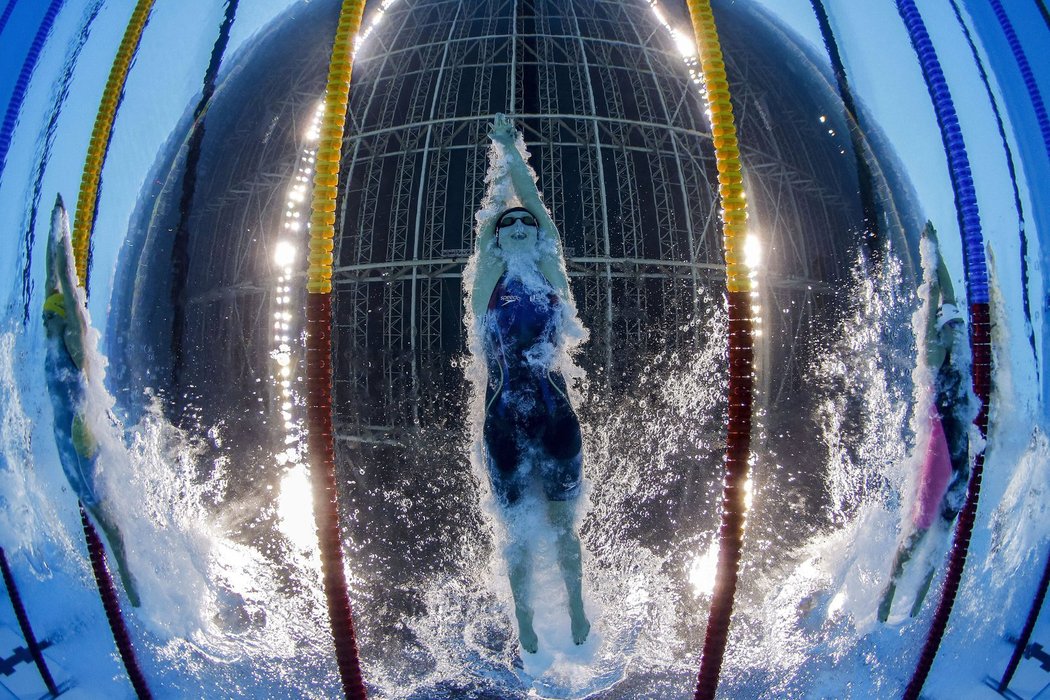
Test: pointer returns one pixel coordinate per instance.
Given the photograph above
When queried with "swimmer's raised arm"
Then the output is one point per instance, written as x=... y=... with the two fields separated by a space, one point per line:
x=504 y=133
x=489 y=266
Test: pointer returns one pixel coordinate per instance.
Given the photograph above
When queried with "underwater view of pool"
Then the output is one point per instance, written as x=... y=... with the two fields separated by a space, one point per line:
x=524 y=349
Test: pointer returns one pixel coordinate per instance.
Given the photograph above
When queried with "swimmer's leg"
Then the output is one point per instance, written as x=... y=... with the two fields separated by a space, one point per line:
x=116 y=545
x=504 y=464
x=504 y=459
x=570 y=559
x=923 y=590
x=900 y=559
x=518 y=560
x=562 y=472
x=943 y=528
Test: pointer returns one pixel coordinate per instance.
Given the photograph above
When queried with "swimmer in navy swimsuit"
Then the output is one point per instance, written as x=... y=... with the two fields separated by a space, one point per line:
x=531 y=434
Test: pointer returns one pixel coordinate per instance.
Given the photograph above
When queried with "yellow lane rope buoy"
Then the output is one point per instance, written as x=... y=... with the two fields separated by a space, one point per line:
x=329 y=149
x=84 y=220
x=727 y=150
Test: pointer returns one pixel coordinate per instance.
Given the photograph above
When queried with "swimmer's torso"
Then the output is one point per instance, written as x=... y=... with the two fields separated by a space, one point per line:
x=519 y=334
x=528 y=417
x=520 y=341
x=65 y=385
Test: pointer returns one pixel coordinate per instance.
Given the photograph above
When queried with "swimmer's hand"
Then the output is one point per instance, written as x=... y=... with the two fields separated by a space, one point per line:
x=502 y=130
x=929 y=232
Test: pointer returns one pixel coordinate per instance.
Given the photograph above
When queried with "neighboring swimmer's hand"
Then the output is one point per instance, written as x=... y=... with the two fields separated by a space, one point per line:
x=502 y=129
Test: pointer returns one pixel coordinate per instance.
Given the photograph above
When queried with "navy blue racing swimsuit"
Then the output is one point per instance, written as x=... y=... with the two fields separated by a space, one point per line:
x=531 y=430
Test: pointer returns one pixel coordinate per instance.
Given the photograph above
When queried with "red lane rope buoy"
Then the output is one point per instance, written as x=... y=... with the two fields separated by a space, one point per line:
x=108 y=593
x=326 y=506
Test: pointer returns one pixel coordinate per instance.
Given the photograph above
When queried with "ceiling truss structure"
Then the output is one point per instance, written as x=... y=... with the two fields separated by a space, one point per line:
x=618 y=138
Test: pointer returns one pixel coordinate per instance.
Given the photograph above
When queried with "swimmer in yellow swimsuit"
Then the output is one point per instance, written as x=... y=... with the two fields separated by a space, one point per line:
x=66 y=368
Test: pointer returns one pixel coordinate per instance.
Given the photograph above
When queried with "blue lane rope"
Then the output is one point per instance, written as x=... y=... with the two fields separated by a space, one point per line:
x=977 y=292
x=955 y=149
x=1022 y=230
x=7 y=14
x=18 y=96
x=1026 y=72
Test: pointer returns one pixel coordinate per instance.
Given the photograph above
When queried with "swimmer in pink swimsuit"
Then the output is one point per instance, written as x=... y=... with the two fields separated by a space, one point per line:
x=945 y=469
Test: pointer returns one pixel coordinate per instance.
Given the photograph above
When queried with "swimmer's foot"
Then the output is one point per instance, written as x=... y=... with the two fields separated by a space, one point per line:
x=526 y=635
x=581 y=626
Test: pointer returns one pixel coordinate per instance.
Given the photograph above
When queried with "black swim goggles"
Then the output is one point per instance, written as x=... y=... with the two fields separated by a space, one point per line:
x=513 y=216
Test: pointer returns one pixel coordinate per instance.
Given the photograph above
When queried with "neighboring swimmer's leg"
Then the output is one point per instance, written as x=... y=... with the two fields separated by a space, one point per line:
x=570 y=558
x=923 y=590
x=903 y=555
x=518 y=567
x=116 y=544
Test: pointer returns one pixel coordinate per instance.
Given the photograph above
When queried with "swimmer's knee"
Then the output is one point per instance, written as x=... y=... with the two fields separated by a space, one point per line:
x=563 y=478
x=564 y=445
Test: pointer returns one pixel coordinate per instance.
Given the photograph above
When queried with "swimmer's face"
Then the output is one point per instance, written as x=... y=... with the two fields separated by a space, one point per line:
x=54 y=324
x=518 y=230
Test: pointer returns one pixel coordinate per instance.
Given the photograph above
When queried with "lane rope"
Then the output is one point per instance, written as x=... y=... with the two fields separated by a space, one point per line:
x=740 y=338
x=872 y=235
x=7 y=14
x=82 y=228
x=87 y=201
x=1029 y=627
x=107 y=591
x=35 y=650
x=1012 y=169
x=980 y=341
x=1027 y=75
x=320 y=442
x=18 y=95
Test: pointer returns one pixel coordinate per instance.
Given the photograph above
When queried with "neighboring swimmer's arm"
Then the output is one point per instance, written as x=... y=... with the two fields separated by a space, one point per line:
x=943 y=280
x=63 y=271
x=935 y=296
x=947 y=290
x=936 y=349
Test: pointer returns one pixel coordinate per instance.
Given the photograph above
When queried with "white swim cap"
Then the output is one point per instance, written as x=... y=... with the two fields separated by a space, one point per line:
x=948 y=313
